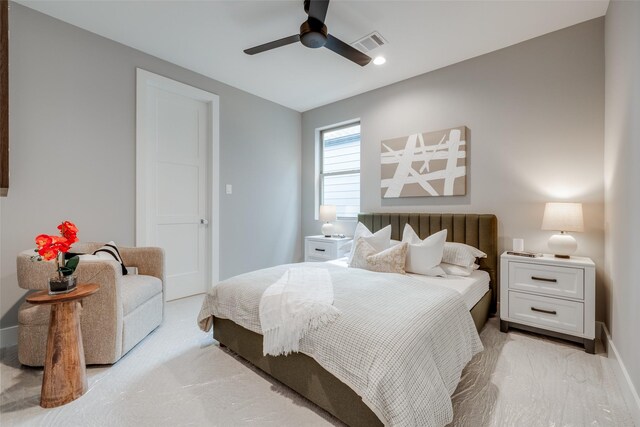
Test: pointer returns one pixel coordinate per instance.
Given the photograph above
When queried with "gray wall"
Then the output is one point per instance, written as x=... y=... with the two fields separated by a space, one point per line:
x=72 y=156
x=622 y=176
x=535 y=112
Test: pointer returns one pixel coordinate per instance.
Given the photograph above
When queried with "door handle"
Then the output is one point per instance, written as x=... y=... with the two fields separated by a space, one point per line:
x=204 y=222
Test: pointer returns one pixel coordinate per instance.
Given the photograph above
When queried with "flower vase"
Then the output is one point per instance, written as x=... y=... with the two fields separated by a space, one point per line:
x=59 y=283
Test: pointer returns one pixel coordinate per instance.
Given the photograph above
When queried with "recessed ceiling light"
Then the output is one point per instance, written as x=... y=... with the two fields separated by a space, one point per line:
x=379 y=60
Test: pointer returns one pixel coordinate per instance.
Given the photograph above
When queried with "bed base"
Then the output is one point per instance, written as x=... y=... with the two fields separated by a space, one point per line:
x=304 y=375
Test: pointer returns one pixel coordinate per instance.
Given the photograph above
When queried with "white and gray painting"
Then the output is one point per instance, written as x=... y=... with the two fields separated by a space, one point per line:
x=425 y=164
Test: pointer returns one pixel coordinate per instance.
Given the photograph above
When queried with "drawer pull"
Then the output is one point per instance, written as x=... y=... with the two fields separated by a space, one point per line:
x=544 y=279
x=544 y=311
x=320 y=250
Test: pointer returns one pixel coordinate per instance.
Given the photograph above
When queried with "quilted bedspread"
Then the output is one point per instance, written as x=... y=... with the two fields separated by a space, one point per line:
x=399 y=343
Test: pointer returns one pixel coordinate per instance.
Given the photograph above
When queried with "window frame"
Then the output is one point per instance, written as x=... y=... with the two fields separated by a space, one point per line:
x=321 y=174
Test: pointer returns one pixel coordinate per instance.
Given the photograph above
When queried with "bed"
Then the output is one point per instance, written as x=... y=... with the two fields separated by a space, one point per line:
x=306 y=376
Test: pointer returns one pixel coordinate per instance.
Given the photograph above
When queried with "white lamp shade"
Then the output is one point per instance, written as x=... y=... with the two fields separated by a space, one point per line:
x=563 y=217
x=327 y=213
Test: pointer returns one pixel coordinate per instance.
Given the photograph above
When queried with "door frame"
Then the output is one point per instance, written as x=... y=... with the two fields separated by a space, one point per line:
x=144 y=80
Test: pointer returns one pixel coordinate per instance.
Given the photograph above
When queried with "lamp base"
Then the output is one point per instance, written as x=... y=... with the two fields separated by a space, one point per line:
x=327 y=229
x=562 y=245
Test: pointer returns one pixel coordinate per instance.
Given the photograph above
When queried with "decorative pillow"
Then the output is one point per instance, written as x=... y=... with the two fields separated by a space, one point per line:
x=380 y=240
x=390 y=260
x=110 y=252
x=349 y=245
x=461 y=254
x=424 y=256
x=457 y=270
x=89 y=257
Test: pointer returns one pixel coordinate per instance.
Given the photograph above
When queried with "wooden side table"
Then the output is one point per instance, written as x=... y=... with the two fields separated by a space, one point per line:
x=65 y=377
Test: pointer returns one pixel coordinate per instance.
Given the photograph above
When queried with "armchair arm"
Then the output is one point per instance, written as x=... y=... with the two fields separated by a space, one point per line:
x=33 y=274
x=102 y=313
x=149 y=260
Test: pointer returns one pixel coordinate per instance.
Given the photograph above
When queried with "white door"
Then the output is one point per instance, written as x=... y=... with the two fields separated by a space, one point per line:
x=175 y=130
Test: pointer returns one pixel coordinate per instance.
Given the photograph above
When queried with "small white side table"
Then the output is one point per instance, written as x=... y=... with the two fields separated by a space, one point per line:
x=549 y=295
x=320 y=248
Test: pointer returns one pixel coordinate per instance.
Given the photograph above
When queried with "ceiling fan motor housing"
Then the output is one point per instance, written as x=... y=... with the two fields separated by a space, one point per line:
x=313 y=33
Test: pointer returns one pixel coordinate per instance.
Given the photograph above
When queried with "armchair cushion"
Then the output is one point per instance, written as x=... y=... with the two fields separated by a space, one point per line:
x=138 y=289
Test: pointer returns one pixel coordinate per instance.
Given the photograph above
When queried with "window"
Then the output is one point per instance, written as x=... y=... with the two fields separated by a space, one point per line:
x=340 y=169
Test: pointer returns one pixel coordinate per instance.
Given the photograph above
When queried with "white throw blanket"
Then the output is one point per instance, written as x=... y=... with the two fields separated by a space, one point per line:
x=300 y=301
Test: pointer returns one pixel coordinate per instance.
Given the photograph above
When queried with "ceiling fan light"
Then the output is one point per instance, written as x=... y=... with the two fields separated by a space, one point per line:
x=379 y=60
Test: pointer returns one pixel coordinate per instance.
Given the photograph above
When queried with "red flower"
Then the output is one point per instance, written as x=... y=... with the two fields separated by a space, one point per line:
x=43 y=240
x=71 y=238
x=50 y=246
x=61 y=243
x=48 y=253
x=69 y=231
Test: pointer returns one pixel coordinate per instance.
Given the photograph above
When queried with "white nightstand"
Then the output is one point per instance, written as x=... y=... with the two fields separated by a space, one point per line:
x=320 y=248
x=549 y=295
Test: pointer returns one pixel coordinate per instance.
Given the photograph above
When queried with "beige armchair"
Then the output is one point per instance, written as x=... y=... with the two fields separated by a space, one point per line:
x=124 y=311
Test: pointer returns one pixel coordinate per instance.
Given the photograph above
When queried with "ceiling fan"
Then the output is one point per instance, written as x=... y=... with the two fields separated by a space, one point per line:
x=313 y=34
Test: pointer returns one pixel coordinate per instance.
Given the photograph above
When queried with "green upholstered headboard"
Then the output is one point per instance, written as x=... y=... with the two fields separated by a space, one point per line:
x=479 y=230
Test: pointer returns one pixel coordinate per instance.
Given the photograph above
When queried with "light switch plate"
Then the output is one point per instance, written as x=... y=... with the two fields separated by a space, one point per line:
x=229 y=189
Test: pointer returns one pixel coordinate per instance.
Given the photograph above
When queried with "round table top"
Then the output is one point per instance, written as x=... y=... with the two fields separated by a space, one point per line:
x=81 y=291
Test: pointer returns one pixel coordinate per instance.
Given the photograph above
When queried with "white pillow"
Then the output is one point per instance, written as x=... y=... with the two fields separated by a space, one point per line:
x=457 y=270
x=424 y=256
x=461 y=254
x=89 y=257
x=110 y=252
x=380 y=240
x=348 y=247
x=391 y=260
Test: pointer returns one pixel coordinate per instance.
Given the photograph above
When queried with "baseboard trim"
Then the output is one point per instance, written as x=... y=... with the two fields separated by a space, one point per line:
x=8 y=336
x=628 y=390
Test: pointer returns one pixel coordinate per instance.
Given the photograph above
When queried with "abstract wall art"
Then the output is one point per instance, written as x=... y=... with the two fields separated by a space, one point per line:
x=425 y=164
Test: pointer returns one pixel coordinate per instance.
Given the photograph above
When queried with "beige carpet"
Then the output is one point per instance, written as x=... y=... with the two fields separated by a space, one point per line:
x=178 y=376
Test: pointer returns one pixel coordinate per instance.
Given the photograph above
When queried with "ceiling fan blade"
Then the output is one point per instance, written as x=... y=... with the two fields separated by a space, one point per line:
x=272 y=45
x=318 y=9
x=349 y=52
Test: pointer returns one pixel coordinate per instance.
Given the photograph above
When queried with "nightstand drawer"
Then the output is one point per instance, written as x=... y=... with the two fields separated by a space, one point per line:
x=547 y=279
x=546 y=312
x=320 y=250
x=315 y=259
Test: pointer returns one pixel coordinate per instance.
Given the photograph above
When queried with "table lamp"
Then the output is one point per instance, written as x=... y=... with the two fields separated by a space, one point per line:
x=563 y=217
x=327 y=214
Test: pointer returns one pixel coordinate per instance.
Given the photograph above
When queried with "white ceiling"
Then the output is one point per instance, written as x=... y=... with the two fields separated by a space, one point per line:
x=209 y=36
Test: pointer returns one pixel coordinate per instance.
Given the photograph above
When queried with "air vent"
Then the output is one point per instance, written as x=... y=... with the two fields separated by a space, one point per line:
x=369 y=42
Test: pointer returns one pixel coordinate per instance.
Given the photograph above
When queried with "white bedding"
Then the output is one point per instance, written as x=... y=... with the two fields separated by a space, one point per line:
x=400 y=345
x=472 y=288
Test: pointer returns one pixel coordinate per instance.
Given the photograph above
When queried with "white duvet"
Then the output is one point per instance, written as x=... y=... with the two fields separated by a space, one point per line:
x=399 y=343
